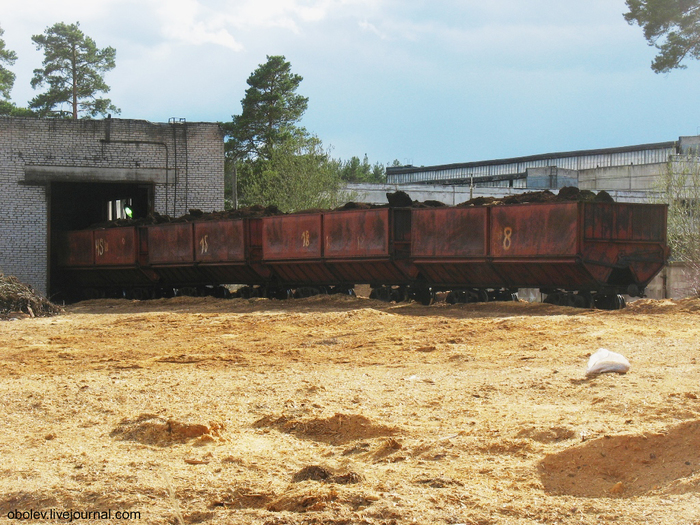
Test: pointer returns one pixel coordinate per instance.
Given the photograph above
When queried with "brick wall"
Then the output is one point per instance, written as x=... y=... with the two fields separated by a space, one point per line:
x=185 y=160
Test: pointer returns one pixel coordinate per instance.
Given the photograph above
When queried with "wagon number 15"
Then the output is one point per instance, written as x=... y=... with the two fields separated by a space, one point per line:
x=507 y=238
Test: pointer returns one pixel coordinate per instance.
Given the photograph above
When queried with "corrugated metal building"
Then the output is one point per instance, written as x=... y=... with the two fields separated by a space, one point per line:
x=627 y=168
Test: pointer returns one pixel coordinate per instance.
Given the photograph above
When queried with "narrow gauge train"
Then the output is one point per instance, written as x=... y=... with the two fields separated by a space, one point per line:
x=577 y=253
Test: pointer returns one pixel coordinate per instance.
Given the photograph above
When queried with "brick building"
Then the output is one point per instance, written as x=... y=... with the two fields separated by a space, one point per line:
x=67 y=174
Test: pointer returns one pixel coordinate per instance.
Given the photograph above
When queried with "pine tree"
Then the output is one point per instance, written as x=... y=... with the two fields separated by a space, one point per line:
x=672 y=26
x=275 y=161
x=7 y=77
x=271 y=109
x=73 y=68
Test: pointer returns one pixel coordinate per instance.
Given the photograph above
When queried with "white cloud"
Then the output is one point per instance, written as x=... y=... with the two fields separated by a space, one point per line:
x=367 y=26
x=225 y=23
x=287 y=14
x=190 y=22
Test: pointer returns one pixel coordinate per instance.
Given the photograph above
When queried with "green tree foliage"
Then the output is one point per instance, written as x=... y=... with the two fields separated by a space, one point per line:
x=73 y=68
x=7 y=58
x=271 y=110
x=276 y=162
x=299 y=175
x=679 y=187
x=672 y=26
x=354 y=170
x=7 y=108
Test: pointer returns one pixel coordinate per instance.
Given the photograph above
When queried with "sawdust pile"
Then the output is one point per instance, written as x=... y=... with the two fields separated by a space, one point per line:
x=19 y=300
x=150 y=429
x=638 y=464
x=336 y=410
x=336 y=430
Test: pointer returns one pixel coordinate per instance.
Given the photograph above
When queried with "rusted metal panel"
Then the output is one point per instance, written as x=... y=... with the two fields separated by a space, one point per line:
x=292 y=237
x=75 y=248
x=634 y=222
x=304 y=273
x=644 y=259
x=560 y=272
x=378 y=271
x=534 y=230
x=233 y=273
x=624 y=243
x=449 y=232
x=220 y=241
x=253 y=230
x=599 y=221
x=116 y=246
x=357 y=233
x=463 y=273
x=170 y=243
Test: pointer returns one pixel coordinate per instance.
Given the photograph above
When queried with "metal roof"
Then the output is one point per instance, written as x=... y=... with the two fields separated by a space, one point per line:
x=575 y=160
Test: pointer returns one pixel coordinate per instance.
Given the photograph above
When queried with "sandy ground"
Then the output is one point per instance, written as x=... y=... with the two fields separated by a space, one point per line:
x=339 y=410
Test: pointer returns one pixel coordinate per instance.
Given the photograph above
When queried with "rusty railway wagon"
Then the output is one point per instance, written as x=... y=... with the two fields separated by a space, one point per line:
x=577 y=253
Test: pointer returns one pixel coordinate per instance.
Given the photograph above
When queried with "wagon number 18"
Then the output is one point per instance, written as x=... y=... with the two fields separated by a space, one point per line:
x=507 y=238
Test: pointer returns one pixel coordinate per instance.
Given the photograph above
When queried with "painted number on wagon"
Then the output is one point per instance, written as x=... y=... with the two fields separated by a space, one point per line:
x=507 y=238
x=101 y=246
x=305 y=238
x=204 y=244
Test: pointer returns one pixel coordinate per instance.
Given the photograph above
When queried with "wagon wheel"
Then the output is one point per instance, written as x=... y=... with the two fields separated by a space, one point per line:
x=609 y=302
x=620 y=302
x=137 y=294
x=552 y=298
x=425 y=296
x=399 y=294
x=584 y=300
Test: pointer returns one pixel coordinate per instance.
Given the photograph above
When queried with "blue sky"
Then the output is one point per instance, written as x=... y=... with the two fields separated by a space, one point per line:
x=424 y=82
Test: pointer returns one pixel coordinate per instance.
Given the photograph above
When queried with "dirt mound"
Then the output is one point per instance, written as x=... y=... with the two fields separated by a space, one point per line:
x=245 y=497
x=429 y=204
x=18 y=298
x=547 y=435
x=150 y=429
x=322 y=474
x=355 y=206
x=626 y=466
x=335 y=430
x=304 y=501
x=566 y=194
x=665 y=306
x=399 y=199
x=26 y=500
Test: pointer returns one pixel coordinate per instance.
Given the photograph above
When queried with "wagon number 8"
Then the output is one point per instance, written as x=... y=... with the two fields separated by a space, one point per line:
x=507 y=238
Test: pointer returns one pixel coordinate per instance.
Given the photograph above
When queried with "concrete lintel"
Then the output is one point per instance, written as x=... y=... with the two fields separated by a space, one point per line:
x=43 y=174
